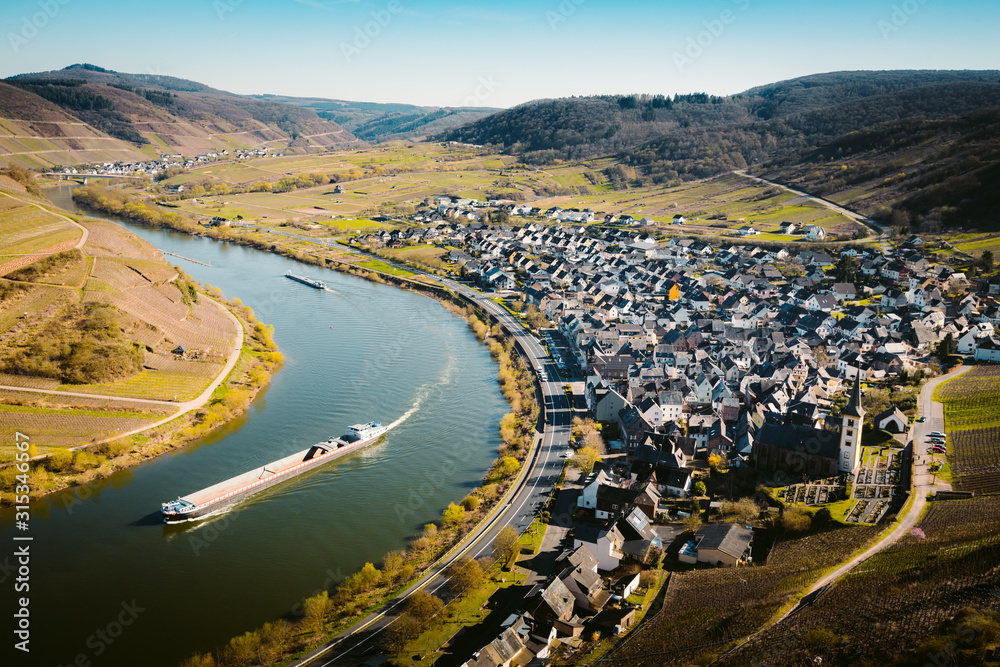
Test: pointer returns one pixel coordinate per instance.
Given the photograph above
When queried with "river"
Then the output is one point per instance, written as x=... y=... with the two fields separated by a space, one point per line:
x=111 y=583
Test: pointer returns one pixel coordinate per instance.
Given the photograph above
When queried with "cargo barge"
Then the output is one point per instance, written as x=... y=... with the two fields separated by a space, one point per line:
x=219 y=496
x=318 y=284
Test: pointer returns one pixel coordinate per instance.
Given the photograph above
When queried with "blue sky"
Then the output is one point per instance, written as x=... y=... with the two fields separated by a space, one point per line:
x=495 y=53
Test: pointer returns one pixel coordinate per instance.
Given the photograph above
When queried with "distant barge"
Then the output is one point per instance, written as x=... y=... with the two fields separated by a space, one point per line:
x=318 y=284
x=220 y=496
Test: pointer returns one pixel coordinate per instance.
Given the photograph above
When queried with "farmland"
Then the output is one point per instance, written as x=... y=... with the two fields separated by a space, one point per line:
x=706 y=609
x=972 y=421
x=25 y=229
x=393 y=178
x=67 y=427
x=63 y=312
x=890 y=605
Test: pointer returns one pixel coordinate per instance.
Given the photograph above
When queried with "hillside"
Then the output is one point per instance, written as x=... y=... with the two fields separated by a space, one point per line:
x=90 y=307
x=373 y=121
x=86 y=114
x=918 y=144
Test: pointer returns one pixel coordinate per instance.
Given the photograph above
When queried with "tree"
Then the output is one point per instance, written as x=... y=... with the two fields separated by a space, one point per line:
x=243 y=649
x=584 y=459
x=466 y=573
x=367 y=577
x=316 y=610
x=985 y=262
x=847 y=269
x=796 y=520
x=273 y=641
x=699 y=488
x=200 y=660
x=506 y=546
x=507 y=467
x=418 y=613
x=946 y=347
x=391 y=565
x=453 y=514
x=714 y=461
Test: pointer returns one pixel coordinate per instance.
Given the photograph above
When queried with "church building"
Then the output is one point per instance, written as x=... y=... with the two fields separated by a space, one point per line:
x=798 y=449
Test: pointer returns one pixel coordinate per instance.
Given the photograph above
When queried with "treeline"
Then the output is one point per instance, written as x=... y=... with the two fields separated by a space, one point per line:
x=154 y=96
x=122 y=204
x=339 y=603
x=67 y=93
x=817 y=122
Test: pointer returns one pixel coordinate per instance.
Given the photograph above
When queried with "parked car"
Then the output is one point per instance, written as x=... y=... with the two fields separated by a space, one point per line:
x=937 y=434
x=921 y=420
x=939 y=450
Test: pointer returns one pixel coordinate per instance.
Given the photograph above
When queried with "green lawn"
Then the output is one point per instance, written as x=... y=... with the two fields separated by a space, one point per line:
x=378 y=265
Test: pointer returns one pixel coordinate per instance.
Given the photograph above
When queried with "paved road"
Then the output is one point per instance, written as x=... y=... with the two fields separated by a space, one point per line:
x=922 y=484
x=883 y=232
x=518 y=509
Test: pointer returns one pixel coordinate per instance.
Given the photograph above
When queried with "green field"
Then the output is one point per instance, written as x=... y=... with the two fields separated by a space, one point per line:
x=376 y=265
x=156 y=385
x=397 y=177
x=971 y=401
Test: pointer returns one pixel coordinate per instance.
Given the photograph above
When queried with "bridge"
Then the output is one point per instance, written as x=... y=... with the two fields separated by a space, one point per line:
x=81 y=178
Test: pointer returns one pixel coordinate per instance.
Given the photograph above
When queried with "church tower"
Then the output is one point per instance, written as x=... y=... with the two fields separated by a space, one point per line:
x=850 y=430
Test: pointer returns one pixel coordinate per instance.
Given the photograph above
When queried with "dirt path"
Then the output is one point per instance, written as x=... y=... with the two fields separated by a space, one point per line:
x=83 y=239
x=182 y=408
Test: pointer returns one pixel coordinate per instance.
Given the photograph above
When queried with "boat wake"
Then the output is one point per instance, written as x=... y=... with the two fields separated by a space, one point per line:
x=332 y=291
x=424 y=392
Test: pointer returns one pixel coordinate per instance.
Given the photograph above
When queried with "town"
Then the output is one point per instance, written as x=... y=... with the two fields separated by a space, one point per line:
x=162 y=164
x=696 y=358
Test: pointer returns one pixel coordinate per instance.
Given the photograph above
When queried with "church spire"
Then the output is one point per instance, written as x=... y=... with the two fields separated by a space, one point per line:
x=854 y=408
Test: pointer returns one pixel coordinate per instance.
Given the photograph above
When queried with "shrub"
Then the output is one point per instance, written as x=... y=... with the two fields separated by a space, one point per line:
x=796 y=520
x=453 y=514
x=60 y=460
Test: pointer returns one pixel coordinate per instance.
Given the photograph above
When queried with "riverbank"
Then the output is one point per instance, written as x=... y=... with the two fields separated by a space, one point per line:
x=340 y=604
x=323 y=615
x=86 y=465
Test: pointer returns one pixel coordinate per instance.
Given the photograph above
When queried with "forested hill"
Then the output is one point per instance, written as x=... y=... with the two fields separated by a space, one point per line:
x=94 y=114
x=375 y=121
x=841 y=134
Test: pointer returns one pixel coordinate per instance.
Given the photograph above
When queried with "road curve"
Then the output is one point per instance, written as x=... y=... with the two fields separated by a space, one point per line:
x=182 y=408
x=907 y=521
x=517 y=509
x=86 y=233
x=883 y=232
